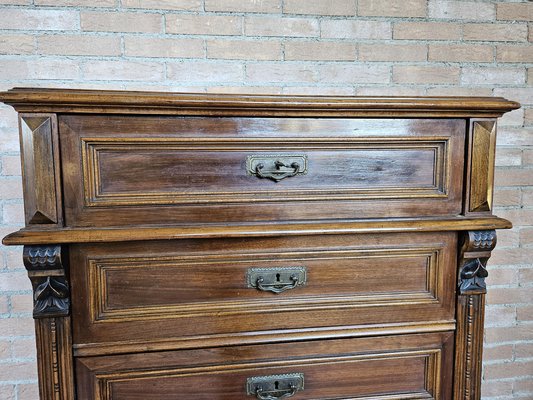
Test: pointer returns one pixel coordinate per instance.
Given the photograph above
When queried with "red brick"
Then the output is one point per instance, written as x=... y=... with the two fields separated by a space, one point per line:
x=511 y=256
x=283 y=27
x=505 y=276
x=349 y=29
x=392 y=8
x=518 y=295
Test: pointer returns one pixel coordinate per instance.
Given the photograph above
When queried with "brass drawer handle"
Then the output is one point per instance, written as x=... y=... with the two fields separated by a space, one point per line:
x=276 y=167
x=277 y=279
x=275 y=387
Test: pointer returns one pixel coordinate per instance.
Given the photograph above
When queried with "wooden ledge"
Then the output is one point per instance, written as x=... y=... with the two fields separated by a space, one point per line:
x=160 y=103
x=30 y=236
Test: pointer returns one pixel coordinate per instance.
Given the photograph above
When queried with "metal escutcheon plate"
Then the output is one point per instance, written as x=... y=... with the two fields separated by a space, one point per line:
x=276 y=279
x=275 y=386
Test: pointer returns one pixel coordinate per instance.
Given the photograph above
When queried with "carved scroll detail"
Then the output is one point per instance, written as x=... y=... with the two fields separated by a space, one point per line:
x=51 y=294
x=473 y=257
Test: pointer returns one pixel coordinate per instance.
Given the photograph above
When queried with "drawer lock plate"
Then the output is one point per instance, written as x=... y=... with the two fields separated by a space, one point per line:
x=276 y=167
x=276 y=279
x=275 y=387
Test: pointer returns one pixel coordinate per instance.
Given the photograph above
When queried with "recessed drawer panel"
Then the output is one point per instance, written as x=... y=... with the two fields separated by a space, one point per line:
x=401 y=368
x=125 y=170
x=163 y=290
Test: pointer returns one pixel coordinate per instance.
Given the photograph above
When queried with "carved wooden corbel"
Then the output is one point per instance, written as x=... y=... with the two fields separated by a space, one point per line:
x=473 y=257
x=51 y=294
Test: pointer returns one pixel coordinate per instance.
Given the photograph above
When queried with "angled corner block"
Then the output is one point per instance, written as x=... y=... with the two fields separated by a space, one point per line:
x=41 y=176
x=480 y=179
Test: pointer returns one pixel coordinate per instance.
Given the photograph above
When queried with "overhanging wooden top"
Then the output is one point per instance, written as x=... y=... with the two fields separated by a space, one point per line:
x=35 y=236
x=160 y=103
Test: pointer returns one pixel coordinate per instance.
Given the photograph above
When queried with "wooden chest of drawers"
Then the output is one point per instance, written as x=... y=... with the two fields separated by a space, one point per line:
x=237 y=247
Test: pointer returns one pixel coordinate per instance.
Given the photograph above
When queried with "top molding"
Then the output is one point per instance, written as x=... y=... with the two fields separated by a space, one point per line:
x=36 y=100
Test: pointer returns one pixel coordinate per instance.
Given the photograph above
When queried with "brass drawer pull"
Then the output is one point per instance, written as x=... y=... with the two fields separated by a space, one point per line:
x=275 y=387
x=276 y=280
x=276 y=167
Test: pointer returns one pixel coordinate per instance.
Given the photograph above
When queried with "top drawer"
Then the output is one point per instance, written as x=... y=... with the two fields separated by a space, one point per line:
x=121 y=170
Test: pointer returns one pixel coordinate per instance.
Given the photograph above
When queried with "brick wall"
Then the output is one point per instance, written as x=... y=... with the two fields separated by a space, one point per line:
x=364 y=47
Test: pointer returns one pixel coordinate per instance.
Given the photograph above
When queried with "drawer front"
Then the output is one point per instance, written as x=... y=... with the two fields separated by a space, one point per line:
x=149 y=291
x=395 y=367
x=133 y=170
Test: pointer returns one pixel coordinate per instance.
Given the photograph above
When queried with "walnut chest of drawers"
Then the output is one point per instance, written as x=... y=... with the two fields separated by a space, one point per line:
x=188 y=246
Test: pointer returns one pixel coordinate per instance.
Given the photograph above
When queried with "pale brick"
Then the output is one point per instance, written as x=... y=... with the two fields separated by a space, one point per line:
x=244 y=49
x=528 y=157
x=123 y=71
x=524 y=313
x=289 y=27
x=471 y=10
x=500 y=316
x=39 y=69
x=493 y=353
x=495 y=32
x=168 y=47
x=10 y=327
x=317 y=51
x=524 y=387
x=506 y=238
x=392 y=52
x=392 y=8
x=17 y=371
x=530 y=76
x=513 y=177
x=284 y=72
x=504 y=276
x=16 y=2
x=17 y=44
x=522 y=95
x=319 y=7
x=427 y=31
x=178 y=5
x=14 y=281
x=7 y=391
x=492 y=76
x=28 y=391
x=39 y=20
x=11 y=165
x=515 y=54
x=510 y=295
x=526 y=274
x=349 y=73
x=13 y=214
x=403 y=91
x=508 y=157
x=202 y=71
x=425 y=74
x=515 y=11
x=24 y=348
x=528 y=116
x=5 y=350
x=251 y=6
x=496 y=388
x=245 y=89
x=79 y=3
x=460 y=53
x=318 y=90
x=22 y=303
x=508 y=370
x=121 y=22
x=512 y=118
x=203 y=24
x=342 y=29
x=459 y=91
x=75 y=45
x=3 y=304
